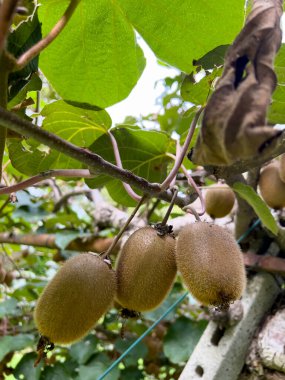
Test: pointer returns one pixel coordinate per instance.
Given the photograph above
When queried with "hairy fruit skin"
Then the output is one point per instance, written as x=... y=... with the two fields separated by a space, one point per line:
x=73 y=301
x=211 y=264
x=272 y=188
x=282 y=167
x=145 y=270
x=219 y=200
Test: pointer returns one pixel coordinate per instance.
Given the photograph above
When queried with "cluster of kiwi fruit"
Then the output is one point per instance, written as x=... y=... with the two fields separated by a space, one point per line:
x=6 y=277
x=272 y=183
x=219 y=200
x=206 y=255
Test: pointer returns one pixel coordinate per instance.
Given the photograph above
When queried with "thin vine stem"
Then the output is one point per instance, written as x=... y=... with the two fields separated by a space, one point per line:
x=26 y=57
x=80 y=173
x=191 y=209
x=123 y=229
x=192 y=183
x=127 y=187
x=165 y=184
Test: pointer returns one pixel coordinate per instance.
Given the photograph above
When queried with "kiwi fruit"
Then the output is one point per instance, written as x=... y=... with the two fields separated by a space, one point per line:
x=145 y=269
x=271 y=187
x=211 y=264
x=219 y=200
x=73 y=301
x=282 y=167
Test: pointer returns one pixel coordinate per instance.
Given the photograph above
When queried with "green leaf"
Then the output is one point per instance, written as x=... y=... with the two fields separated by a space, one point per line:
x=198 y=93
x=96 y=368
x=213 y=58
x=83 y=350
x=181 y=339
x=15 y=343
x=21 y=39
x=9 y=308
x=253 y=199
x=131 y=373
x=62 y=239
x=58 y=372
x=142 y=152
x=276 y=113
x=25 y=368
x=138 y=352
x=95 y=59
x=180 y=31
x=33 y=84
x=76 y=125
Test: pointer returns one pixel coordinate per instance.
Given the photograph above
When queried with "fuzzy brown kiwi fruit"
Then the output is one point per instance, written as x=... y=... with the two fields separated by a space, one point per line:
x=219 y=200
x=271 y=187
x=74 y=300
x=282 y=167
x=145 y=269
x=211 y=264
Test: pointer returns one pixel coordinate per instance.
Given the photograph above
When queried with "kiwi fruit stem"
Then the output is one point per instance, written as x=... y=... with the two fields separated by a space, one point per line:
x=123 y=229
x=168 y=212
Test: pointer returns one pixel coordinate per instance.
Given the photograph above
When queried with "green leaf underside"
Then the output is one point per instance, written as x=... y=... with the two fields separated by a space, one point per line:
x=95 y=59
x=251 y=197
x=158 y=23
x=78 y=126
x=181 y=339
x=142 y=152
x=102 y=68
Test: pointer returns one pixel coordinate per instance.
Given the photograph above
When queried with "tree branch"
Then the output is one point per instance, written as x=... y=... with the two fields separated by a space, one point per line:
x=92 y=160
x=243 y=166
x=26 y=57
x=7 y=10
x=86 y=243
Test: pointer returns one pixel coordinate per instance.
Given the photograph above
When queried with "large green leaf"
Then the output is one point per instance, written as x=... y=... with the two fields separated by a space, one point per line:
x=76 y=125
x=250 y=196
x=181 y=339
x=10 y=343
x=95 y=59
x=180 y=31
x=276 y=114
x=142 y=152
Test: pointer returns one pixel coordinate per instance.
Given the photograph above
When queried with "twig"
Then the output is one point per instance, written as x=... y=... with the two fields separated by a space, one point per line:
x=26 y=57
x=7 y=10
x=92 y=160
x=82 y=173
x=151 y=211
x=123 y=229
x=168 y=212
x=127 y=187
x=66 y=197
x=165 y=184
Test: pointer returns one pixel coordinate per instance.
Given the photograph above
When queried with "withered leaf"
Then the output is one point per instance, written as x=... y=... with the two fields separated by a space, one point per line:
x=234 y=122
